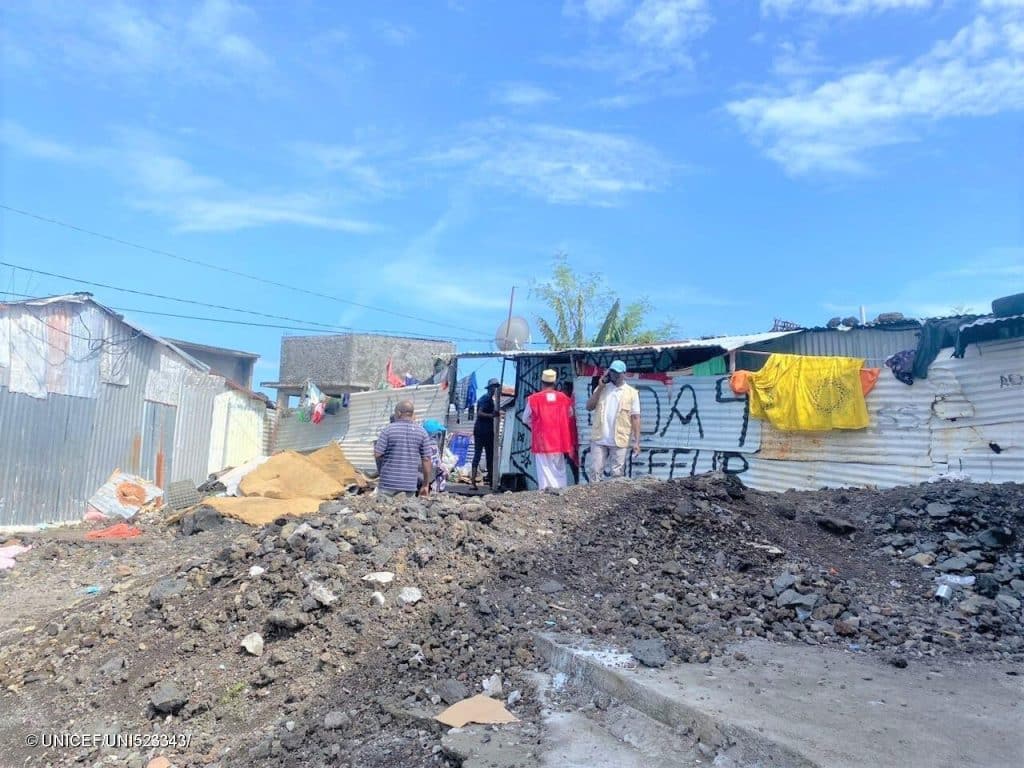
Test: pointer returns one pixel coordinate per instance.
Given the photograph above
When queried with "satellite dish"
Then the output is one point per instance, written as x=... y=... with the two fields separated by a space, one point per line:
x=513 y=334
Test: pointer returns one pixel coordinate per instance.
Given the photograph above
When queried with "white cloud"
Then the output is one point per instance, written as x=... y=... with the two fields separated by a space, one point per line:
x=596 y=10
x=556 y=164
x=394 y=34
x=159 y=181
x=353 y=162
x=667 y=24
x=134 y=40
x=649 y=39
x=523 y=95
x=843 y=7
x=831 y=127
x=20 y=140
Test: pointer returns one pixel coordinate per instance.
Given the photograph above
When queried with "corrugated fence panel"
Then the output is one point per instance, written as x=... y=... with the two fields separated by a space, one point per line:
x=899 y=432
x=357 y=426
x=195 y=420
x=237 y=432
x=57 y=451
x=873 y=344
x=768 y=475
x=158 y=427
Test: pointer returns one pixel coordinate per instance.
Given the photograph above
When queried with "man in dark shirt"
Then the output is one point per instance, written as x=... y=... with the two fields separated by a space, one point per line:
x=402 y=452
x=483 y=429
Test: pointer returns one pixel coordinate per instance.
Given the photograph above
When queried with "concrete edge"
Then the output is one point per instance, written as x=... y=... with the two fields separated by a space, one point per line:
x=743 y=744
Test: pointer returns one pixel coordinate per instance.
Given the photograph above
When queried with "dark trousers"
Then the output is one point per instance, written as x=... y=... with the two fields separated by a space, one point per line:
x=483 y=444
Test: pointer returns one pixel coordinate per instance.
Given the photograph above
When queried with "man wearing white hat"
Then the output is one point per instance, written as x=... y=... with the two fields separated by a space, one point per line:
x=616 y=423
x=550 y=416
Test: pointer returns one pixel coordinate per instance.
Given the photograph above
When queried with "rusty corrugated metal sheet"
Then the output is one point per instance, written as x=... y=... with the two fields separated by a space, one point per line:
x=356 y=427
x=899 y=433
x=58 y=451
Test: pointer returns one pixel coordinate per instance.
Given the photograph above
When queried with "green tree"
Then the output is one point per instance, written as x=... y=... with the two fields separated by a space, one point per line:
x=574 y=301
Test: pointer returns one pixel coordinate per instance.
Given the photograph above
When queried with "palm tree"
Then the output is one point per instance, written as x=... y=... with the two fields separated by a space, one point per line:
x=573 y=299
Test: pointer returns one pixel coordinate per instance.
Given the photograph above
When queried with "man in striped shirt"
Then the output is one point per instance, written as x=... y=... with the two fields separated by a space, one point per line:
x=402 y=452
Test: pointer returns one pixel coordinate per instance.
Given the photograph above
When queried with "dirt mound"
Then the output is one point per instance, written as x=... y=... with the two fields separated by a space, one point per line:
x=350 y=670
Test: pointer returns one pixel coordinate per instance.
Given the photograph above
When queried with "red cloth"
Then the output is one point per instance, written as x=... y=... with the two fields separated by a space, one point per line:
x=550 y=422
x=119 y=531
x=395 y=382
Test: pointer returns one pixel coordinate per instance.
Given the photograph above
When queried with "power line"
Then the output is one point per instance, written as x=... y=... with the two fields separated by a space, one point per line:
x=226 y=270
x=321 y=327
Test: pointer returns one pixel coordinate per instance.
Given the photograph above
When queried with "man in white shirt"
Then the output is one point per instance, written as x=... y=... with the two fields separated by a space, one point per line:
x=616 y=423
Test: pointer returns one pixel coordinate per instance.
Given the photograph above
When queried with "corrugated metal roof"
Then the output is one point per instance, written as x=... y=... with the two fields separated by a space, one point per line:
x=874 y=344
x=86 y=298
x=726 y=343
x=356 y=427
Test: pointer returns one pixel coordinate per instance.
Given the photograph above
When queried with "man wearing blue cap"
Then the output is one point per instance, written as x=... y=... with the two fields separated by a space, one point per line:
x=616 y=423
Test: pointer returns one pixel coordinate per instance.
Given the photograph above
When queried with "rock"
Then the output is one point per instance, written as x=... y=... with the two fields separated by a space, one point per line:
x=1008 y=601
x=846 y=627
x=165 y=589
x=996 y=538
x=256 y=571
x=793 y=599
x=167 y=698
x=938 y=510
x=900 y=662
x=973 y=605
x=923 y=558
x=650 y=653
x=253 y=643
x=953 y=564
x=379 y=579
x=113 y=667
x=377 y=598
x=202 y=519
x=986 y=585
x=159 y=762
x=671 y=568
x=287 y=620
x=837 y=525
x=336 y=721
x=785 y=511
x=1017 y=585
x=514 y=698
x=550 y=587
x=409 y=596
x=322 y=595
x=451 y=691
x=492 y=686
x=476 y=513
x=783 y=582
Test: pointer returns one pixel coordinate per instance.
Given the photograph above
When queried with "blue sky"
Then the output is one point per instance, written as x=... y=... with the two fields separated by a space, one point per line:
x=732 y=161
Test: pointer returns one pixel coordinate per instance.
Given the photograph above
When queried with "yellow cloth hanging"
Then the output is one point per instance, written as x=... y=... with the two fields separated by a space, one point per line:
x=805 y=393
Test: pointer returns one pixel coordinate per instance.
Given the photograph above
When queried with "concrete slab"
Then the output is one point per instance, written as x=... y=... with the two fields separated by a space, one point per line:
x=805 y=707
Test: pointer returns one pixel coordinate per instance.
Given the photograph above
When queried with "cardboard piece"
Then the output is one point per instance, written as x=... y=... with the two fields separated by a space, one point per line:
x=476 y=709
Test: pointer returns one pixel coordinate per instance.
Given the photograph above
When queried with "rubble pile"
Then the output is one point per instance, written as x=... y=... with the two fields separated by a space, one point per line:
x=335 y=638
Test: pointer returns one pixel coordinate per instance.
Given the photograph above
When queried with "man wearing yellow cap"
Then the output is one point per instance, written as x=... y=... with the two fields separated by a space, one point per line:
x=616 y=423
x=550 y=416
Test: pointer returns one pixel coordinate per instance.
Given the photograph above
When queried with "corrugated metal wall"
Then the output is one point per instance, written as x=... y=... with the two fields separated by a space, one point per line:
x=56 y=450
x=237 y=434
x=357 y=426
x=873 y=344
x=965 y=420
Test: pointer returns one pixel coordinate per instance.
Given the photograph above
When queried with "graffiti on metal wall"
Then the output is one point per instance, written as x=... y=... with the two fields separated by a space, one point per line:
x=688 y=425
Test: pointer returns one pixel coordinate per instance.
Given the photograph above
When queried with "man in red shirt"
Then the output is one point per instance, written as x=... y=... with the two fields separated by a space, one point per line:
x=550 y=416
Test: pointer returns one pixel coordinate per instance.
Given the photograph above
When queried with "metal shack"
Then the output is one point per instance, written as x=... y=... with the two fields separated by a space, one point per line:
x=84 y=392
